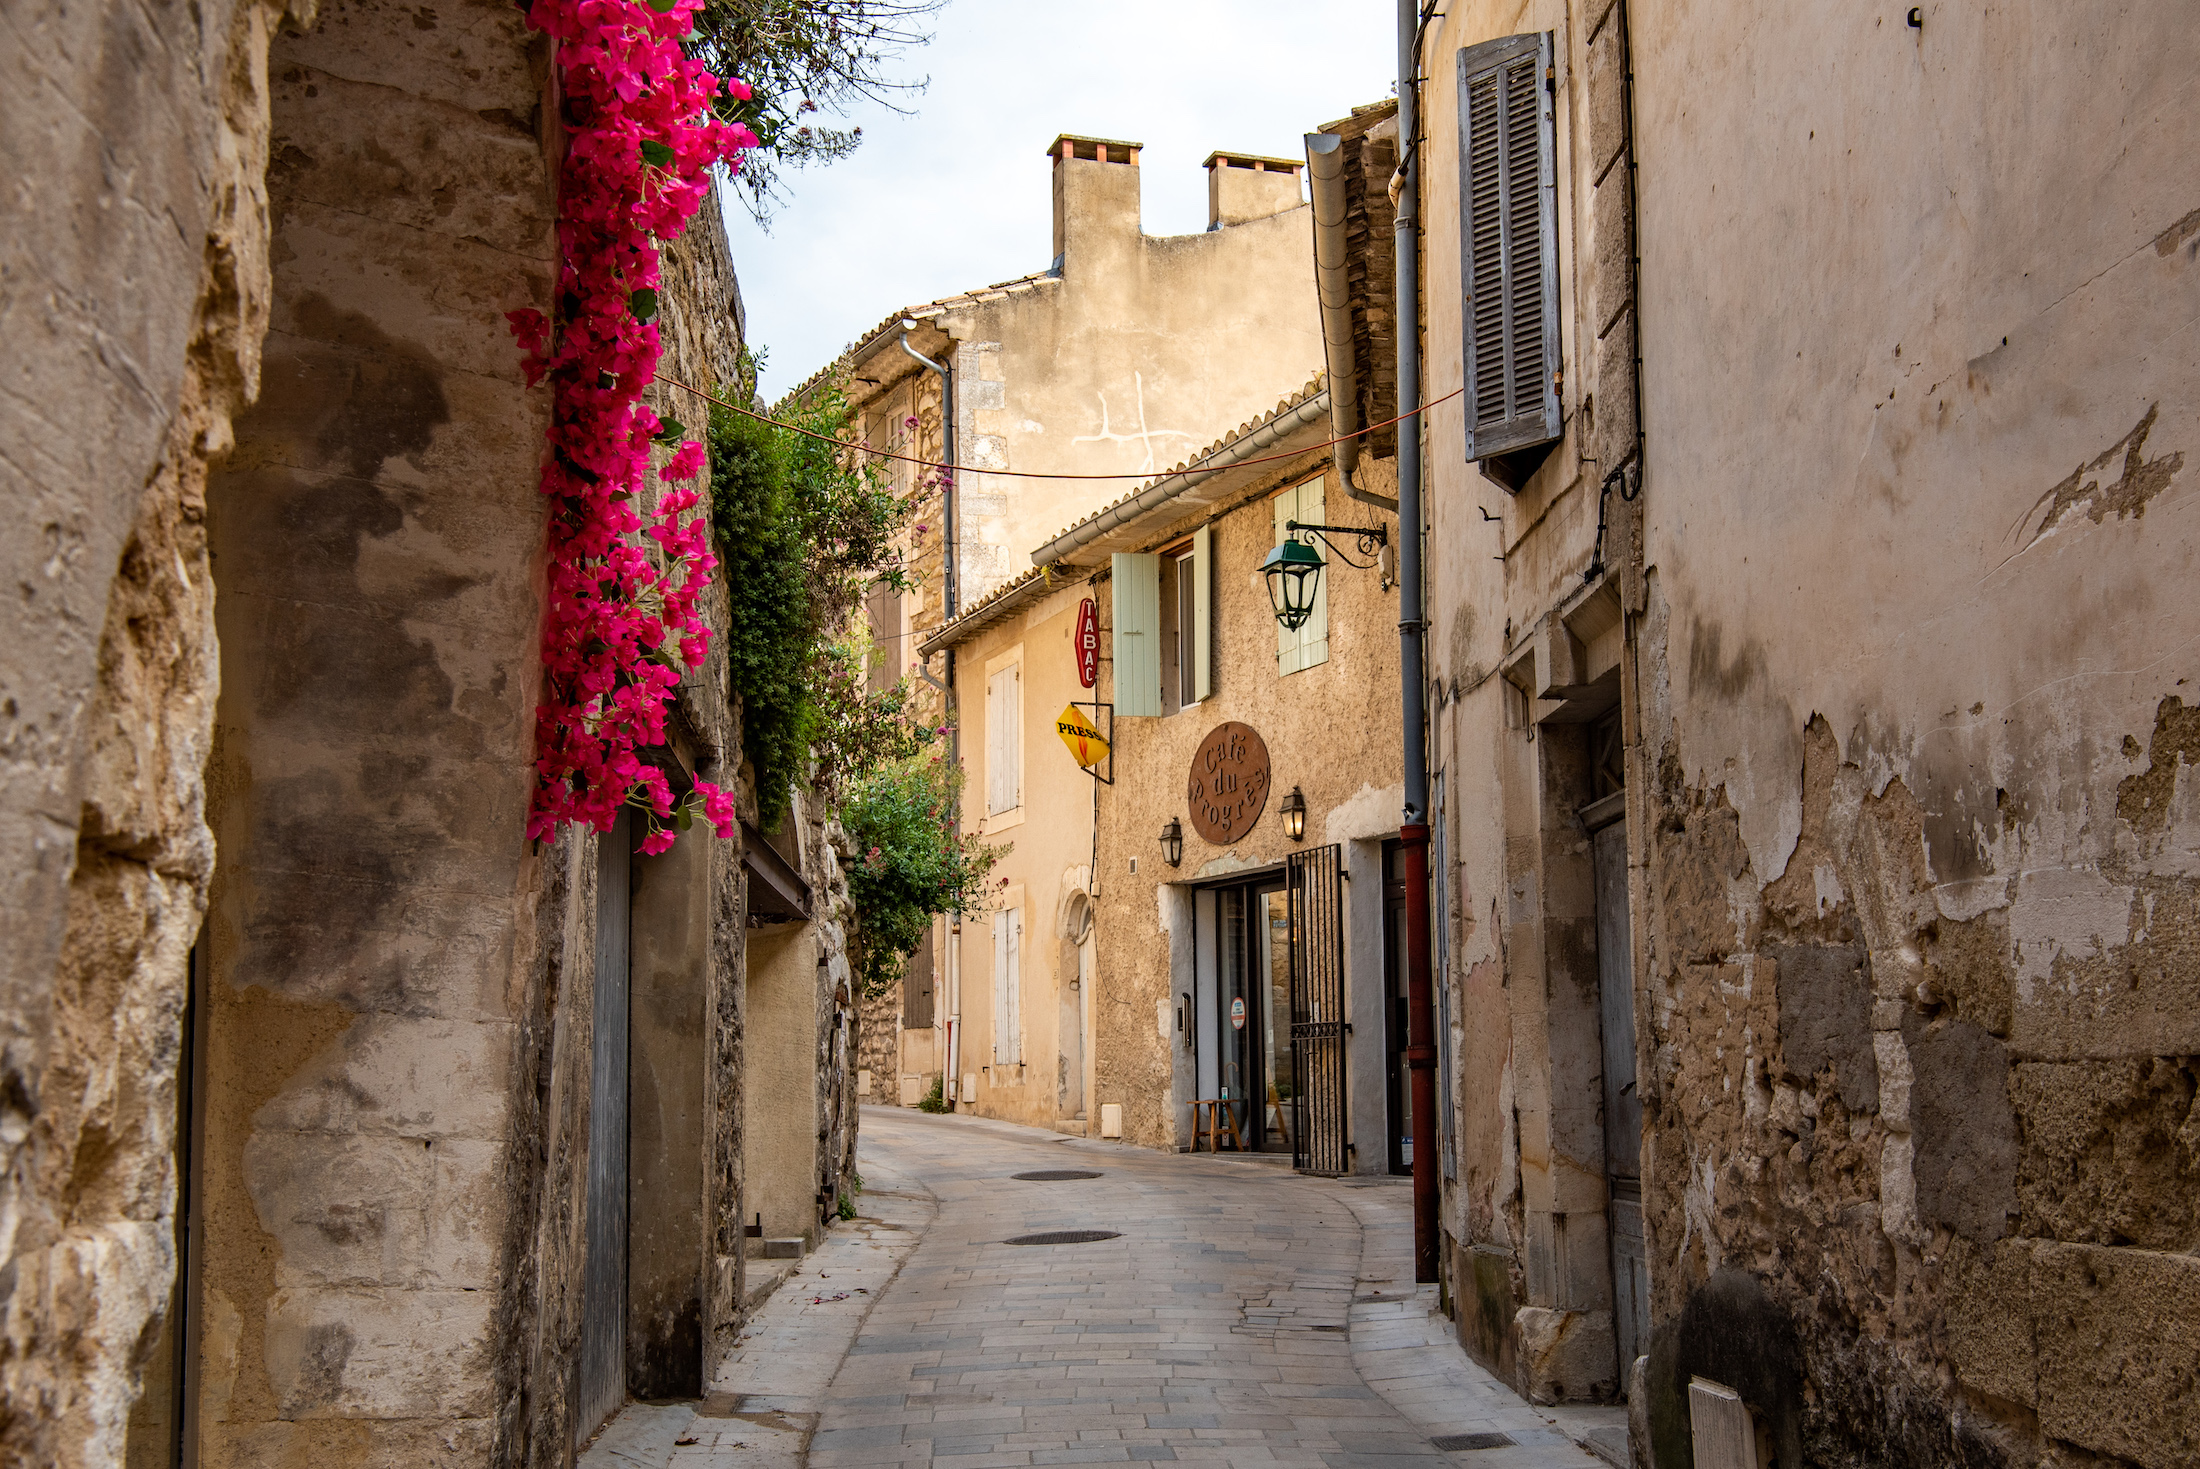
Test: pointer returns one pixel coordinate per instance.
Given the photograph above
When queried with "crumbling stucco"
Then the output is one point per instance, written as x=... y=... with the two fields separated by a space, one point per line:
x=139 y=299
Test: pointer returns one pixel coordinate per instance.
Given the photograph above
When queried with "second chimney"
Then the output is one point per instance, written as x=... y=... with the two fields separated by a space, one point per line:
x=1242 y=187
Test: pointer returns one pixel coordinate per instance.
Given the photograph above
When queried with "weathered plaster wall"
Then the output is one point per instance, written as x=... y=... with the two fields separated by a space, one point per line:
x=1331 y=730
x=1944 y=805
x=1143 y=349
x=1907 y=705
x=375 y=538
x=134 y=256
x=1049 y=841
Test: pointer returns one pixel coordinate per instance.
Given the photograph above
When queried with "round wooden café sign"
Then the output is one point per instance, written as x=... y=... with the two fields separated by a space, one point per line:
x=1229 y=783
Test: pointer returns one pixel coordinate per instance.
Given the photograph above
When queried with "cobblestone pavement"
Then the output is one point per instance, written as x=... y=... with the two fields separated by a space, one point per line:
x=1242 y=1315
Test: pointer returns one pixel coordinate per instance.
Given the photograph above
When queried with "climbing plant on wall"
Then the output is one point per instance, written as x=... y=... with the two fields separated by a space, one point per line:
x=621 y=620
x=807 y=529
x=909 y=862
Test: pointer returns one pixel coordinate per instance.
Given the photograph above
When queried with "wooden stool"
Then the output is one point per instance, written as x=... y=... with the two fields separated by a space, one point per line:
x=1211 y=1125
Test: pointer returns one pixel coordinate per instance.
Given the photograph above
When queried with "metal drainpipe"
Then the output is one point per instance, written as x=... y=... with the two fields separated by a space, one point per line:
x=1420 y=994
x=951 y=970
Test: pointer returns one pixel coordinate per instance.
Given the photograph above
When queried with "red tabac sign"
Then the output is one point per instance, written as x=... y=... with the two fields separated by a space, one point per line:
x=1088 y=644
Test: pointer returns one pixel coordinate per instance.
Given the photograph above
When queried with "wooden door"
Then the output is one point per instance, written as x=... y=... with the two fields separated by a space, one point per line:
x=1622 y=1098
x=602 y=1388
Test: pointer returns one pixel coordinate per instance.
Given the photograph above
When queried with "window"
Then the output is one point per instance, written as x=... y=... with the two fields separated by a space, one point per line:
x=1008 y=1020
x=1508 y=240
x=1004 y=739
x=1308 y=644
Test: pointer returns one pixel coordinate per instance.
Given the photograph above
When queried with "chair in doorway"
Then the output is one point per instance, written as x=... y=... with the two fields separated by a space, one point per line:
x=1211 y=1118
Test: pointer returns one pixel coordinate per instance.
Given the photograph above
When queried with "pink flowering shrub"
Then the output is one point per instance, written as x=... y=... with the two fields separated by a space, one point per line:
x=621 y=621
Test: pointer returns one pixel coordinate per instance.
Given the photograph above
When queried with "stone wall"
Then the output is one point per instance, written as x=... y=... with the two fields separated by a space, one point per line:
x=1902 y=670
x=134 y=251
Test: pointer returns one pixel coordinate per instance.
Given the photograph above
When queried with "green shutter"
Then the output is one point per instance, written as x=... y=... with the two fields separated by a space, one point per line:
x=1137 y=616
x=1304 y=646
x=1203 y=612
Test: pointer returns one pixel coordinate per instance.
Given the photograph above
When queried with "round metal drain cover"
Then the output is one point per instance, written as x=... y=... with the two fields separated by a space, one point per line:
x=1066 y=1237
x=1054 y=1175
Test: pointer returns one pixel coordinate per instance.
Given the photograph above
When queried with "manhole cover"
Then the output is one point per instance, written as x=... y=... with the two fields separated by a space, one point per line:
x=1054 y=1175
x=1454 y=1442
x=1066 y=1237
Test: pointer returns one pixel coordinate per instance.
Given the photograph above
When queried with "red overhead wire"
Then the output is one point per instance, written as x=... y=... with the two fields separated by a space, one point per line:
x=1032 y=474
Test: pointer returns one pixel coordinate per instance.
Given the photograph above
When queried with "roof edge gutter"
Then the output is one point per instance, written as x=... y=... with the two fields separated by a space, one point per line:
x=1333 y=286
x=1161 y=491
x=996 y=608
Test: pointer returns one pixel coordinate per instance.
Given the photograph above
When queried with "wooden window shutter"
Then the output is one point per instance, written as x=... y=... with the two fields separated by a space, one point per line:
x=1137 y=638
x=1000 y=984
x=1508 y=239
x=1015 y=1038
x=1203 y=612
x=1004 y=740
x=1304 y=646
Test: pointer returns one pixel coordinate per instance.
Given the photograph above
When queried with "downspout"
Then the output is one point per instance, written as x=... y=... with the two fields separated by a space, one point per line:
x=1413 y=834
x=950 y=555
x=1333 y=286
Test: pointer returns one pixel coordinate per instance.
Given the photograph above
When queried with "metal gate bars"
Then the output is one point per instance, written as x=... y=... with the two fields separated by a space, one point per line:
x=1314 y=888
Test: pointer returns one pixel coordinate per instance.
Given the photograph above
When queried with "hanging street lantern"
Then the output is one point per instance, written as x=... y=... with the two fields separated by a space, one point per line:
x=1294 y=568
x=1294 y=815
x=1294 y=573
x=1172 y=842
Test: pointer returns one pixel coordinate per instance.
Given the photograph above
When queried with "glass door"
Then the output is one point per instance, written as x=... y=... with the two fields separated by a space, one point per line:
x=1253 y=1013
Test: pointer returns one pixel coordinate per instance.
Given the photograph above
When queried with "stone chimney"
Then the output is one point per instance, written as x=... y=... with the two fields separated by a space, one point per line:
x=1095 y=190
x=1243 y=186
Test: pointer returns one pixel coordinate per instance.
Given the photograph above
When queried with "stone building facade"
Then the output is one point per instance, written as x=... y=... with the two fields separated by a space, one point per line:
x=428 y=1145
x=1811 y=715
x=1127 y=352
x=1225 y=925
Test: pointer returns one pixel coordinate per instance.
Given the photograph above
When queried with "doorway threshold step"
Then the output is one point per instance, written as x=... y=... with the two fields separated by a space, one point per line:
x=1074 y=1126
x=776 y=1249
x=764 y=1277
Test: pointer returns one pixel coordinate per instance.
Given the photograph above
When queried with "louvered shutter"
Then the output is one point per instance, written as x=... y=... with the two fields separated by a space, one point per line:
x=1203 y=612
x=1137 y=617
x=1306 y=645
x=1016 y=984
x=1508 y=233
x=1000 y=986
x=1004 y=740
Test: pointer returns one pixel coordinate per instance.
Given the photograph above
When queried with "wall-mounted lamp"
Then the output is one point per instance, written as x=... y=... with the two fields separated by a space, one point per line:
x=1294 y=568
x=1294 y=815
x=1172 y=842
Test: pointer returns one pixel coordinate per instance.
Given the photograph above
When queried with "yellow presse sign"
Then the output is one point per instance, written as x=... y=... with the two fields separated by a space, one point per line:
x=1081 y=735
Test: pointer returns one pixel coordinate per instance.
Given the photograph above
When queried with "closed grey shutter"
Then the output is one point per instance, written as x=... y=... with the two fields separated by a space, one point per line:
x=1508 y=234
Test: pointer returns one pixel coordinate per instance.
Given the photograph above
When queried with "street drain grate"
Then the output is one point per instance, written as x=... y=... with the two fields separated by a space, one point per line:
x=1325 y=1328
x=1066 y=1237
x=1454 y=1442
x=1054 y=1175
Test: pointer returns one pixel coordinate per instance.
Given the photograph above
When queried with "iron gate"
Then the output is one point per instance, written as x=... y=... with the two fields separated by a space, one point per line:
x=1314 y=888
x=603 y=1278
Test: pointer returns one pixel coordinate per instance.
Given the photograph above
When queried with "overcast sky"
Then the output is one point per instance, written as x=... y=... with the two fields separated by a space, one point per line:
x=955 y=195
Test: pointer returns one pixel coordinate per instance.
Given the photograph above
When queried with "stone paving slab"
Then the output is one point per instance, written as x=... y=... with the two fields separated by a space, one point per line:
x=1243 y=1316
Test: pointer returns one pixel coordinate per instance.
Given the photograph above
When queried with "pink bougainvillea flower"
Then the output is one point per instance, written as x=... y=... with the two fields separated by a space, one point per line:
x=613 y=609
x=686 y=464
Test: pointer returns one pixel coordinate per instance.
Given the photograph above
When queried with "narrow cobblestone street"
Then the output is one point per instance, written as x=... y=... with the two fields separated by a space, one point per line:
x=1242 y=1315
